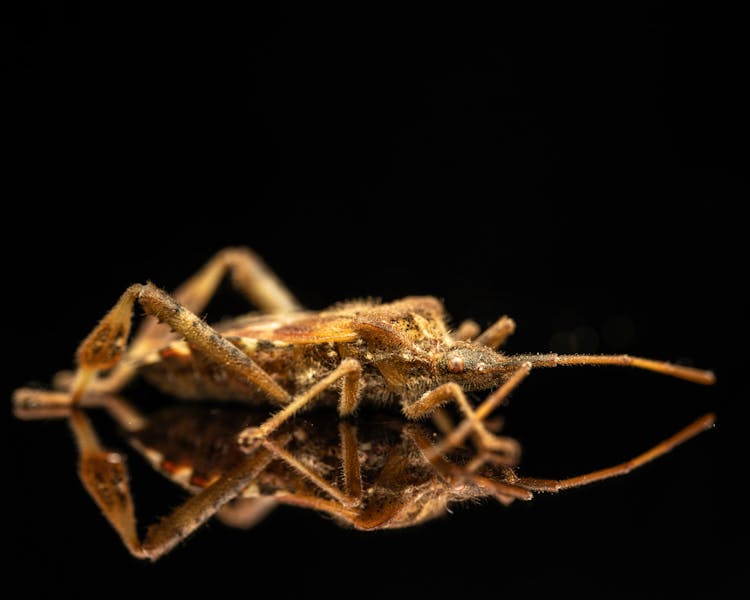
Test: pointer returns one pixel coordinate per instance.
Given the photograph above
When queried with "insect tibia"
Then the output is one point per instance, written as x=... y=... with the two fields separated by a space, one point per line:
x=105 y=345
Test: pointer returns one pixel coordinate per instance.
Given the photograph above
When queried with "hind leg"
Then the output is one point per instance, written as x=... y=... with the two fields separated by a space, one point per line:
x=249 y=275
x=106 y=344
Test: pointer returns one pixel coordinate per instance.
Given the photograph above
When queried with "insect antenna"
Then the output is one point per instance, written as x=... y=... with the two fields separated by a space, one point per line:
x=622 y=360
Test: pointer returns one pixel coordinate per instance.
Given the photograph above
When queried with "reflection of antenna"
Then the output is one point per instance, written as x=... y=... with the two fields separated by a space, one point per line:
x=555 y=485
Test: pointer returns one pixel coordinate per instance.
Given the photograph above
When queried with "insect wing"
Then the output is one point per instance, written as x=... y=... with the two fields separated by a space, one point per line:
x=305 y=328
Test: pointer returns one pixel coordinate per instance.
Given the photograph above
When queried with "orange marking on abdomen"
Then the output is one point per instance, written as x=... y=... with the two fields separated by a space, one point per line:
x=200 y=481
x=170 y=467
x=171 y=351
x=178 y=472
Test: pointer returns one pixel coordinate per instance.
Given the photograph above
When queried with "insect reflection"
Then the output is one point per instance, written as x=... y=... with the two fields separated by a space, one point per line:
x=375 y=472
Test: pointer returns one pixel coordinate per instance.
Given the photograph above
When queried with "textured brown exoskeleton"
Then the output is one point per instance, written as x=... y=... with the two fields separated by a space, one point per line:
x=401 y=351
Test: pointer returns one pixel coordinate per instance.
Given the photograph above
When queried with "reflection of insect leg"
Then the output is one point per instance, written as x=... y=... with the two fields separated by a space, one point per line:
x=349 y=369
x=249 y=275
x=433 y=399
x=245 y=513
x=555 y=485
x=390 y=492
x=105 y=345
x=105 y=477
x=343 y=504
x=503 y=491
x=352 y=494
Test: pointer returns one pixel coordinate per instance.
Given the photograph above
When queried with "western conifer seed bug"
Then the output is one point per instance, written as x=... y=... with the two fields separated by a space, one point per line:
x=400 y=351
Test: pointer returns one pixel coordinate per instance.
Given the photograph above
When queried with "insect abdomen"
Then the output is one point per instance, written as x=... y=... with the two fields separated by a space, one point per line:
x=179 y=371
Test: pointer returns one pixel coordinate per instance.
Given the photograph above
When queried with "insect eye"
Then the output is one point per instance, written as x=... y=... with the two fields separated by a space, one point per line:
x=455 y=364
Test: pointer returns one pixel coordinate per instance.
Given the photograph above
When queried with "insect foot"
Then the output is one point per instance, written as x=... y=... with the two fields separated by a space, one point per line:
x=250 y=439
x=30 y=403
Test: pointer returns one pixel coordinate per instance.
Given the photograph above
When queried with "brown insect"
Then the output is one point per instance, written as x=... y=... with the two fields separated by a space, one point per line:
x=401 y=352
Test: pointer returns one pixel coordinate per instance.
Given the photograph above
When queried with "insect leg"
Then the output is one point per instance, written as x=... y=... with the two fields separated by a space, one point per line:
x=349 y=369
x=105 y=345
x=458 y=435
x=433 y=399
x=496 y=334
x=249 y=275
x=32 y=404
x=622 y=360
x=466 y=331
x=555 y=485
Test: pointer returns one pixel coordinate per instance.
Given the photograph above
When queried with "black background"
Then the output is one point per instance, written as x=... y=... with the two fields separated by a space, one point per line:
x=574 y=167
